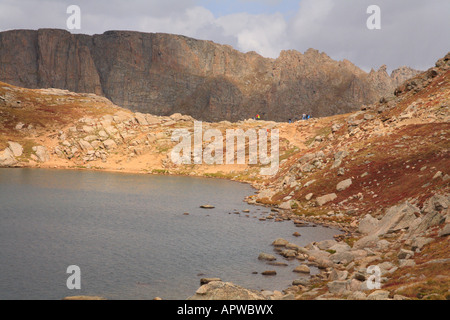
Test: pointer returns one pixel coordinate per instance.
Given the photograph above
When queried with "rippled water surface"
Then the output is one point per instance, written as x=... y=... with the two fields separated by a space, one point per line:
x=130 y=237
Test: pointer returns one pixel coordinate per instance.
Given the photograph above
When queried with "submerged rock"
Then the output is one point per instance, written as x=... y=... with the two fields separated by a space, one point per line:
x=266 y=256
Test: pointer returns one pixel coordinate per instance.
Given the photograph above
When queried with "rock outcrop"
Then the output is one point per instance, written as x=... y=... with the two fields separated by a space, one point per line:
x=218 y=290
x=164 y=74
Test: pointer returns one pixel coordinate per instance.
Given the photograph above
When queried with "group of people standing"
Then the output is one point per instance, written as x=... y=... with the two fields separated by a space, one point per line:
x=305 y=116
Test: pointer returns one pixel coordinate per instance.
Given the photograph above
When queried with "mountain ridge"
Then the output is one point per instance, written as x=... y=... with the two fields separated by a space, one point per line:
x=163 y=74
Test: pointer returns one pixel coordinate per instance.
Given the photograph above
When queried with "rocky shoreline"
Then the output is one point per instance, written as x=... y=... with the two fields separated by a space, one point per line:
x=387 y=245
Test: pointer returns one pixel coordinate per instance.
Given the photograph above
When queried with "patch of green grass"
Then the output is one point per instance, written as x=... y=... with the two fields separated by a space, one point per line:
x=160 y=171
x=322 y=132
x=288 y=153
x=219 y=174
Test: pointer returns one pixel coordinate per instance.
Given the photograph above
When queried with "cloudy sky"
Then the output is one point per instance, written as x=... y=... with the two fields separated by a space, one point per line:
x=413 y=32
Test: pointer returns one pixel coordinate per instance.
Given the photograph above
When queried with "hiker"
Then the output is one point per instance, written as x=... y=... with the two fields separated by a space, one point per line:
x=304 y=116
x=258 y=117
x=290 y=120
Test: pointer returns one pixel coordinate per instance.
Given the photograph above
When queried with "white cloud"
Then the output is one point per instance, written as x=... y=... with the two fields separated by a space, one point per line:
x=410 y=31
x=265 y=34
x=413 y=32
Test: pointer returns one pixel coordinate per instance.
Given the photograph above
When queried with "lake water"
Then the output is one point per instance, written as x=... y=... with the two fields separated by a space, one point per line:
x=130 y=237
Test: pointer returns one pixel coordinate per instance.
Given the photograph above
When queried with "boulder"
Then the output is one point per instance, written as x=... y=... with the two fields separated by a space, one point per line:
x=433 y=209
x=324 y=263
x=325 y=199
x=109 y=144
x=16 y=148
x=445 y=231
x=338 y=157
x=386 y=267
x=341 y=186
x=338 y=275
x=269 y=273
x=347 y=256
x=368 y=224
x=369 y=241
x=307 y=184
x=208 y=280
x=301 y=282
x=266 y=193
x=357 y=295
x=437 y=202
x=326 y=244
x=407 y=263
x=302 y=269
x=397 y=218
x=318 y=254
x=85 y=146
x=285 y=205
x=7 y=158
x=379 y=295
x=293 y=246
x=419 y=242
x=151 y=119
x=266 y=256
x=88 y=129
x=280 y=242
x=287 y=253
x=218 y=290
x=340 y=247
x=141 y=119
x=405 y=254
x=337 y=287
x=41 y=153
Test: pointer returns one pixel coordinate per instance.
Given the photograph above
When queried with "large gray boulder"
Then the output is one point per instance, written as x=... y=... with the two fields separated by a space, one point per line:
x=326 y=244
x=338 y=157
x=368 y=224
x=7 y=158
x=218 y=290
x=266 y=256
x=109 y=144
x=16 y=148
x=438 y=202
x=341 y=186
x=325 y=199
x=370 y=241
x=434 y=209
x=379 y=295
x=141 y=119
x=85 y=146
x=41 y=153
x=445 y=231
x=280 y=242
x=397 y=218
x=338 y=287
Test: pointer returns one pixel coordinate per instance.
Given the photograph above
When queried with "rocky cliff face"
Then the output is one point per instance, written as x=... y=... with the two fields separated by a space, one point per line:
x=163 y=74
